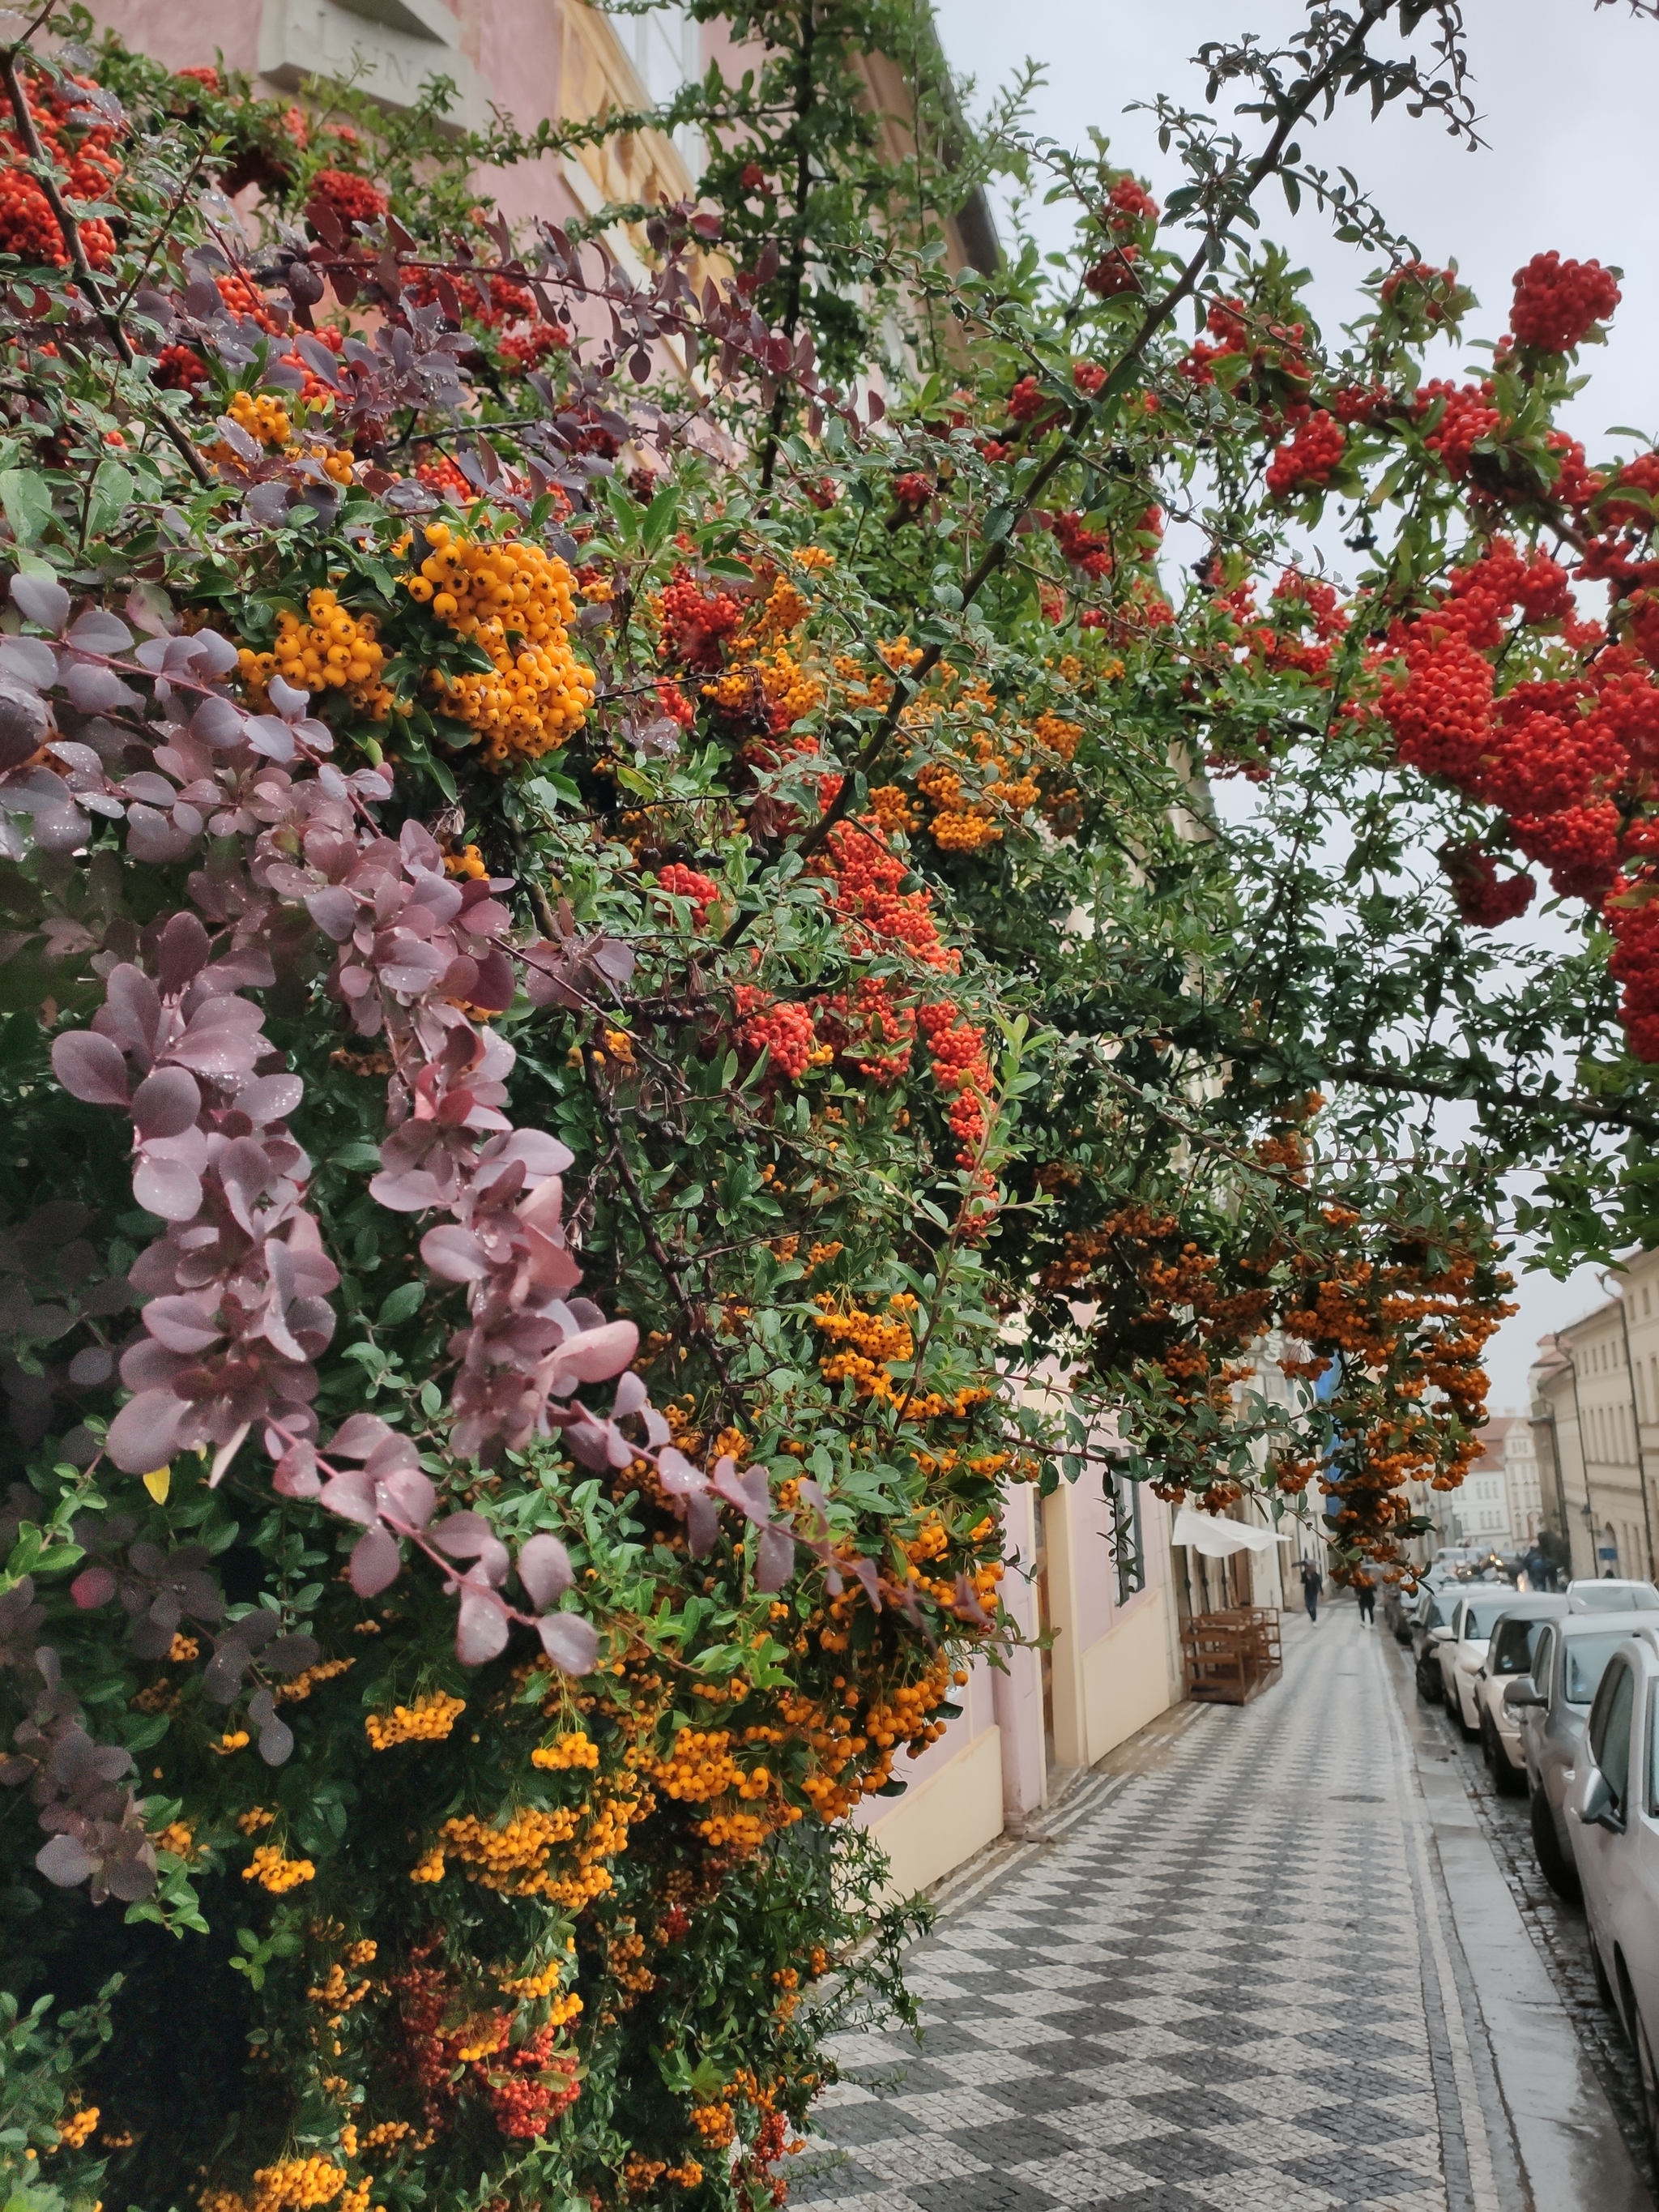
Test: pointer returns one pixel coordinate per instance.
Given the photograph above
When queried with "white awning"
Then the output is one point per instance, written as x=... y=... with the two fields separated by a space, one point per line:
x=1218 y=1538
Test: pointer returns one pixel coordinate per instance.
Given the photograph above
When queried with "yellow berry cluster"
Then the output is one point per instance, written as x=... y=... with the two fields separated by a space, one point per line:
x=640 y=2174
x=1059 y=735
x=514 y=601
x=428 y=1720
x=296 y=2185
x=272 y=1871
x=302 y=1685
x=780 y=681
x=869 y=1343
x=339 y=462
x=254 y=1819
x=176 y=1837
x=263 y=417
x=335 y=1996
x=335 y=650
x=78 y=2127
x=576 y=1749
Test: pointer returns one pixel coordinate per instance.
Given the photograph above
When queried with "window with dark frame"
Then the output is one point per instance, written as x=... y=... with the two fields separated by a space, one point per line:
x=1128 y=1557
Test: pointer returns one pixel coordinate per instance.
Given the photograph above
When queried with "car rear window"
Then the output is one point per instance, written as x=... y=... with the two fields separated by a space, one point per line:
x=1586 y=1662
x=1516 y=1646
x=1616 y=1597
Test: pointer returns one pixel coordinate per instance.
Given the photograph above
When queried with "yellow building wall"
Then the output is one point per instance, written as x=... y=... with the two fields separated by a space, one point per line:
x=1125 y=1676
x=945 y=1820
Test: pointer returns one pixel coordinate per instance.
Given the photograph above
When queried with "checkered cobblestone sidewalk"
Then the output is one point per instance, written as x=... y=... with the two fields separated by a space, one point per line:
x=1227 y=1985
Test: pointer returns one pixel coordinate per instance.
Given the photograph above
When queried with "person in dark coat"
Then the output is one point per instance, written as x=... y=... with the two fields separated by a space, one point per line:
x=1365 y=1590
x=1312 y=1583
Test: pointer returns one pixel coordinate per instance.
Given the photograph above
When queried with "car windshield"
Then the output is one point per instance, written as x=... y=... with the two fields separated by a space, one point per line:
x=1586 y=1658
x=1616 y=1597
x=1481 y=1614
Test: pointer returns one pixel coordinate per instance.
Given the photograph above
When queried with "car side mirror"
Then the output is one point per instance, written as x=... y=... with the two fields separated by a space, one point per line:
x=1439 y=1635
x=1601 y=1808
x=1524 y=1691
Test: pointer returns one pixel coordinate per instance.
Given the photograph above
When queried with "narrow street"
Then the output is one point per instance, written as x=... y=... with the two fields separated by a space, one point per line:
x=1276 y=1959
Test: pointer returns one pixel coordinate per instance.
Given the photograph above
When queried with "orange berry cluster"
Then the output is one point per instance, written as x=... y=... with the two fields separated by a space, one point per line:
x=868 y=1344
x=515 y=602
x=335 y=650
x=575 y=1748
x=264 y=419
x=428 y=1720
x=273 y=1871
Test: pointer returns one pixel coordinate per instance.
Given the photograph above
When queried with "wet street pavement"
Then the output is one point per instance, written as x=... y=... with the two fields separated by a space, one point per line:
x=1279 y=1958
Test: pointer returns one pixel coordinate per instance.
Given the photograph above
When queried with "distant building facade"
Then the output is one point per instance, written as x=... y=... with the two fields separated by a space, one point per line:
x=1595 y=1424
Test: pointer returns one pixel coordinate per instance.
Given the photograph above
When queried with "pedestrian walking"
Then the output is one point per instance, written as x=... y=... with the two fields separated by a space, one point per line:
x=1312 y=1583
x=1365 y=1590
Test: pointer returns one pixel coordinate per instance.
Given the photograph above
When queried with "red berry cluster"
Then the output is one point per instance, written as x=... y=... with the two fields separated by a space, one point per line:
x=912 y=490
x=870 y=1029
x=242 y=299
x=695 y=625
x=1309 y=460
x=529 y=2086
x=962 y=1071
x=778 y=1026
x=674 y=704
x=1466 y=415
x=1088 y=376
x=1557 y=303
x=528 y=349
x=180 y=369
x=87 y=167
x=1128 y=205
x=1433 y=295
x=526 y=2086
x=1631 y=913
x=354 y=199
x=1025 y=401
x=1483 y=897
x=1083 y=548
x=1113 y=274
x=681 y=882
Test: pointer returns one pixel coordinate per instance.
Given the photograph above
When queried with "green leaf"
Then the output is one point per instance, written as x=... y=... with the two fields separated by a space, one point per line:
x=28 y=503
x=401 y=1304
x=112 y=491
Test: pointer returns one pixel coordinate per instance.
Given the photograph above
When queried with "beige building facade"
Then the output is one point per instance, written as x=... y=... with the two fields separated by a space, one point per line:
x=1596 y=1422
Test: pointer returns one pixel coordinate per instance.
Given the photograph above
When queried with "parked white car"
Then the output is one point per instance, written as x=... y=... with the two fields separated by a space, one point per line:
x=1462 y=1649
x=1586 y=1594
x=1515 y=1643
x=1553 y=1705
x=1613 y=1814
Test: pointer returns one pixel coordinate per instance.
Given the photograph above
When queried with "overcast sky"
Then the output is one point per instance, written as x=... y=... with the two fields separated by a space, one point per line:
x=1568 y=97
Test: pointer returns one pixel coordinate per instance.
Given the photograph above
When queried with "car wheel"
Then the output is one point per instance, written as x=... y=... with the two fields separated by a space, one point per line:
x=1552 y=1862
x=1603 y=1986
x=1504 y=1779
x=1645 y=2068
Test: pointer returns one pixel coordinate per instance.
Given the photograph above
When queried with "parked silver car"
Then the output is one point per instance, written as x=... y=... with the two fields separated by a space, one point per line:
x=1613 y=1811
x=1512 y=1652
x=1461 y=1649
x=1552 y=1704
